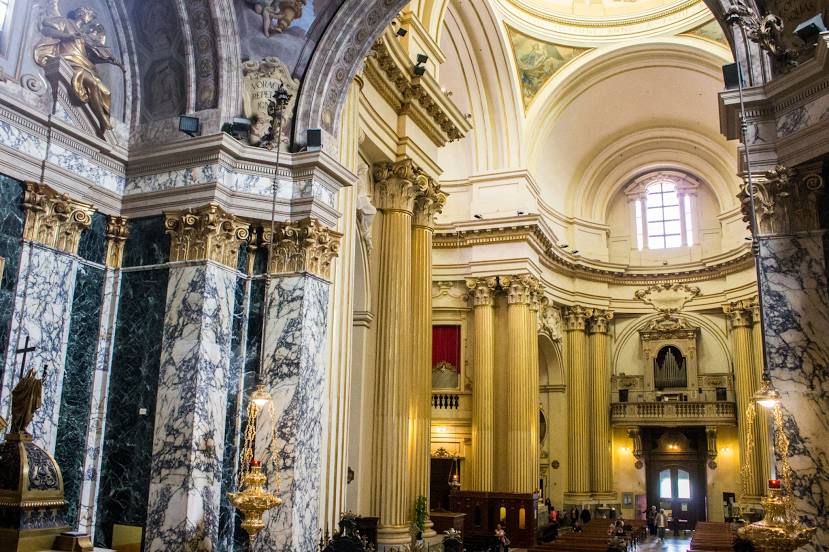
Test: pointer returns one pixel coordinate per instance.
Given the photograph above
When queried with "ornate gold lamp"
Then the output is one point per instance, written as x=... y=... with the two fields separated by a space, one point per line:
x=253 y=498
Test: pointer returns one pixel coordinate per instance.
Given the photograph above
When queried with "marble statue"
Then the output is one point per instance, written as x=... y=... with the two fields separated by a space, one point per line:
x=81 y=42
x=26 y=399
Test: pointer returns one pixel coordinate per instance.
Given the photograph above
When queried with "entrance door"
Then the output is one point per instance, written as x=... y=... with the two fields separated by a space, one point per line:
x=676 y=475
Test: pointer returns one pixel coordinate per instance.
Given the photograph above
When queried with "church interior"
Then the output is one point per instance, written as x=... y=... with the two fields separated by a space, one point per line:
x=414 y=275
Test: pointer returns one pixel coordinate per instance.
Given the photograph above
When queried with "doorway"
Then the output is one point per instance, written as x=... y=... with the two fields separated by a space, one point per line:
x=676 y=476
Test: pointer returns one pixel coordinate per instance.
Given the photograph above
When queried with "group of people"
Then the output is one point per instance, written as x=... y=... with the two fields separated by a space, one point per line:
x=657 y=522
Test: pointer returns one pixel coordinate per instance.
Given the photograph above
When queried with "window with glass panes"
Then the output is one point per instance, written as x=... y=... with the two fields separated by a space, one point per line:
x=664 y=216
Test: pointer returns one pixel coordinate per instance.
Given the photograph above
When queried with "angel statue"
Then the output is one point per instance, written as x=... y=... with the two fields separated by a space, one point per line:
x=81 y=42
x=277 y=15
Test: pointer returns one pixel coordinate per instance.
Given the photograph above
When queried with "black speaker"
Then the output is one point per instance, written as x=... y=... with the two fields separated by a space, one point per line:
x=733 y=75
x=313 y=139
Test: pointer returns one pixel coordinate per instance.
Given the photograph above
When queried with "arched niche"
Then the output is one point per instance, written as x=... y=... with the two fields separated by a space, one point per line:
x=660 y=339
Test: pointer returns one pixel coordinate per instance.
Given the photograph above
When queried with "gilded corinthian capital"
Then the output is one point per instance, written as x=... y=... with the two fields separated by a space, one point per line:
x=482 y=290
x=429 y=201
x=600 y=320
x=394 y=185
x=205 y=233
x=575 y=318
x=116 y=234
x=54 y=219
x=304 y=246
x=521 y=289
x=739 y=313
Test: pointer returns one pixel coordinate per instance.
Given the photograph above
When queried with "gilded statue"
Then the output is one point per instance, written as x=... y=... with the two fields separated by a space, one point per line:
x=81 y=42
x=26 y=399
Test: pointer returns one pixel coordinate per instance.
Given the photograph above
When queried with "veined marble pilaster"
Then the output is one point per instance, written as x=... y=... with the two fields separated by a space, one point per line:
x=188 y=438
x=294 y=374
x=186 y=472
x=796 y=310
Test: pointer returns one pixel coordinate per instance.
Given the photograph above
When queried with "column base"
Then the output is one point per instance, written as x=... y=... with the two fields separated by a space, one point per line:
x=429 y=529
x=392 y=536
x=577 y=498
x=604 y=497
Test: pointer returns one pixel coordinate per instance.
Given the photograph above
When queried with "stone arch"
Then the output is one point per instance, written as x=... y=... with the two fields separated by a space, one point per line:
x=358 y=23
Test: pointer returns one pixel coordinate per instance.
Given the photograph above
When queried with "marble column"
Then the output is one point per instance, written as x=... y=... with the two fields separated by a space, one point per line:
x=480 y=471
x=294 y=373
x=522 y=400
x=578 y=408
x=116 y=235
x=186 y=469
x=793 y=284
x=429 y=201
x=745 y=385
x=43 y=300
x=601 y=466
x=391 y=501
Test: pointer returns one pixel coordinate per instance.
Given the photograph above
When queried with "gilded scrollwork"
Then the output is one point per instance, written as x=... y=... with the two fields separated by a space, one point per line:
x=304 y=246
x=206 y=233
x=54 y=219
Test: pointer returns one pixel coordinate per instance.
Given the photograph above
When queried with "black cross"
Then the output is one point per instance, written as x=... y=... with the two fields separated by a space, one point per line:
x=25 y=350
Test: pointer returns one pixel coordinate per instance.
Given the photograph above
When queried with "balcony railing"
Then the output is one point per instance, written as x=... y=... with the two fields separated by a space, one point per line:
x=446 y=401
x=673 y=413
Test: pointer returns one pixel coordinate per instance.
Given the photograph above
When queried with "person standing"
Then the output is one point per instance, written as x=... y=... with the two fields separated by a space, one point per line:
x=661 y=524
x=651 y=520
x=585 y=516
x=503 y=541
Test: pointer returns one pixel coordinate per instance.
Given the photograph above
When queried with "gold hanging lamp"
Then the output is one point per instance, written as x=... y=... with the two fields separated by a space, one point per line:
x=254 y=499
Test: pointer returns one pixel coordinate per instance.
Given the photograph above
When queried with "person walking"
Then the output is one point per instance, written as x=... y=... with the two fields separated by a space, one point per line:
x=661 y=524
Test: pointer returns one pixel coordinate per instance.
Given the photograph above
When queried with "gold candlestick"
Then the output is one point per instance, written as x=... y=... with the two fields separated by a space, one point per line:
x=253 y=500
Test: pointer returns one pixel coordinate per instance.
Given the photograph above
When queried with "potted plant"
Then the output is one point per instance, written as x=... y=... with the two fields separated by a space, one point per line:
x=419 y=518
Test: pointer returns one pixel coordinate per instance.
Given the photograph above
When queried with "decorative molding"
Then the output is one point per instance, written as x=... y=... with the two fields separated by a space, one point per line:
x=534 y=233
x=766 y=31
x=482 y=290
x=550 y=322
x=407 y=95
x=668 y=298
x=668 y=327
x=205 y=233
x=785 y=200
x=304 y=246
x=711 y=441
x=740 y=313
x=116 y=234
x=54 y=219
x=521 y=289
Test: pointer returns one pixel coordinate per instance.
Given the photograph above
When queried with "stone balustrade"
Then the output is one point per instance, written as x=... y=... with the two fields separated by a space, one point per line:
x=668 y=413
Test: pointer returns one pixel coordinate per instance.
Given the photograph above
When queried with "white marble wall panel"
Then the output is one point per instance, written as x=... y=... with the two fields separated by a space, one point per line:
x=43 y=301
x=215 y=173
x=186 y=472
x=294 y=375
x=22 y=141
x=83 y=167
x=803 y=117
x=794 y=287
x=98 y=403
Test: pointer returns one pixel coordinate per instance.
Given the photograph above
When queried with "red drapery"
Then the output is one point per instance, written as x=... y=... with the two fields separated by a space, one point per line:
x=446 y=345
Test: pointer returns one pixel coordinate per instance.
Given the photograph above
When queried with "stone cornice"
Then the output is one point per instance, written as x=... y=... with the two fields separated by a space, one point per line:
x=533 y=230
x=390 y=72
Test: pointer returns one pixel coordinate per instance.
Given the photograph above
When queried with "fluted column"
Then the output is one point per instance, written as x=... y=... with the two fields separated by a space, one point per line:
x=480 y=474
x=578 y=410
x=601 y=467
x=394 y=195
x=522 y=400
x=763 y=415
x=739 y=316
x=537 y=299
x=428 y=202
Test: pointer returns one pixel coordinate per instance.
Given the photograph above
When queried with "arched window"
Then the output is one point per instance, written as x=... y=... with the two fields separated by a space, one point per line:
x=663 y=210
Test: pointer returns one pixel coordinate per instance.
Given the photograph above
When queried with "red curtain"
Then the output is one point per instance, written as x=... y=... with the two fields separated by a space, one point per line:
x=446 y=345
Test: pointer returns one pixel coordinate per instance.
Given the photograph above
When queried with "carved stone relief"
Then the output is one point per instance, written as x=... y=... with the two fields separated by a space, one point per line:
x=260 y=80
